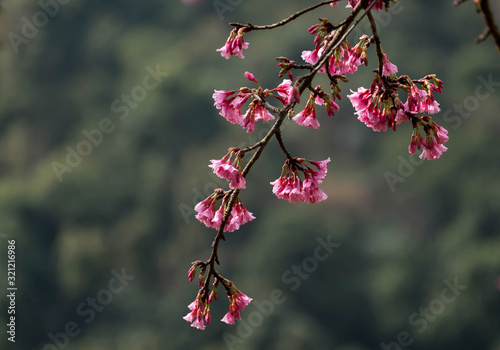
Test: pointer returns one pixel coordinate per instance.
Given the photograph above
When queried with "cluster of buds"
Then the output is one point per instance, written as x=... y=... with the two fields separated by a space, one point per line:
x=237 y=301
x=229 y=103
x=380 y=107
x=435 y=137
x=200 y=307
x=344 y=59
x=291 y=187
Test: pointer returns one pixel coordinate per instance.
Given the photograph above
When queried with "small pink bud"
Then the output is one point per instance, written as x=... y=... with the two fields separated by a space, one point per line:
x=251 y=77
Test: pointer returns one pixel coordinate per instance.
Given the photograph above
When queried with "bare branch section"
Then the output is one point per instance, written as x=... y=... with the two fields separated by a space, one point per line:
x=483 y=7
x=377 y=44
x=485 y=10
x=283 y=22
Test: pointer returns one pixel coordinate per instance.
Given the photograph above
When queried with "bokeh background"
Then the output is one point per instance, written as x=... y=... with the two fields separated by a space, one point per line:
x=126 y=206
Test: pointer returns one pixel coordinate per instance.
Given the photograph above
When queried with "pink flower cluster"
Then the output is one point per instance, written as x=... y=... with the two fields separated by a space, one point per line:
x=377 y=108
x=200 y=308
x=422 y=101
x=235 y=44
x=200 y=313
x=237 y=301
x=307 y=117
x=345 y=59
x=293 y=189
x=380 y=108
x=434 y=141
x=224 y=169
x=208 y=215
x=229 y=103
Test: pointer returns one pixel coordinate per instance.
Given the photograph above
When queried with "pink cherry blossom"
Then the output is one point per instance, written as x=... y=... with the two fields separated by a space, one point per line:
x=360 y=99
x=373 y=117
x=290 y=187
x=388 y=68
x=436 y=136
x=230 y=107
x=197 y=314
x=420 y=101
x=231 y=172
x=432 y=150
x=240 y=214
x=288 y=91
x=255 y=112
x=228 y=318
x=310 y=57
x=440 y=134
x=235 y=44
x=206 y=210
x=312 y=193
x=230 y=226
x=237 y=301
x=307 y=117
x=241 y=300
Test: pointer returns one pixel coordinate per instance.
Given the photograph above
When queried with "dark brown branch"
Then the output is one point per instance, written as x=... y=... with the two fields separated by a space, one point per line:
x=282 y=145
x=485 y=10
x=283 y=22
x=376 y=38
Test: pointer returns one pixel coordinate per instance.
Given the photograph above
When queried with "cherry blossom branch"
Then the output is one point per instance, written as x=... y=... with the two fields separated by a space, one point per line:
x=282 y=22
x=378 y=107
x=275 y=130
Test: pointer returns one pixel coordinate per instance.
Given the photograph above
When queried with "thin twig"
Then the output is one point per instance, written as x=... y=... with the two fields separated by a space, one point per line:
x=458 y=2
x=282 y=145
x=283 y=22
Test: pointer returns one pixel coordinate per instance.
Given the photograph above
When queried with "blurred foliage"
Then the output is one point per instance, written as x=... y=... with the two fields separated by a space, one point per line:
x=128 y=204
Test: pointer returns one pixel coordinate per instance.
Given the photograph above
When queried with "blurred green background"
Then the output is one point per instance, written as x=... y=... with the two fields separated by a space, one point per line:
x=126 y=205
